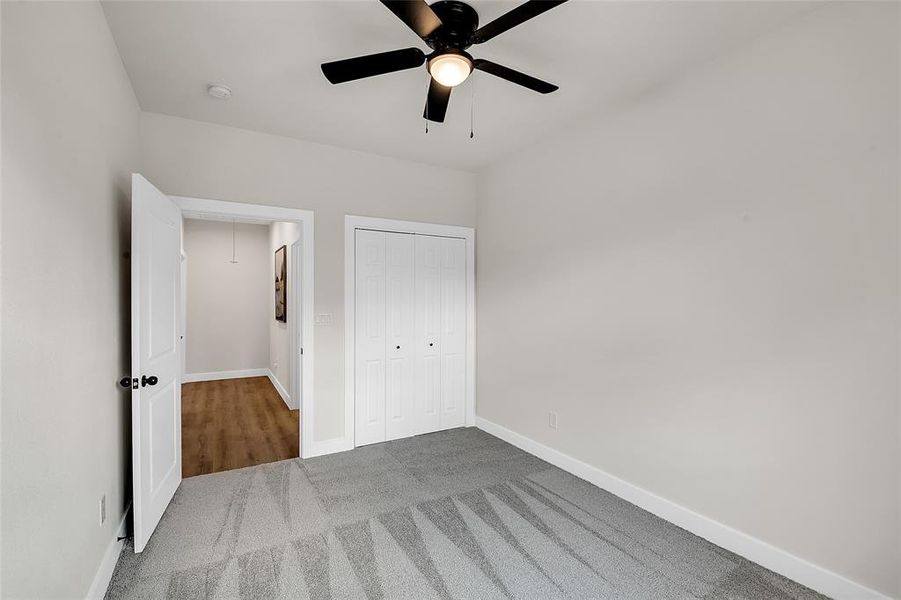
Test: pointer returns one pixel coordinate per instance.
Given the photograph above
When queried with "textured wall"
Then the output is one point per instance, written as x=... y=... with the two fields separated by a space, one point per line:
x=70 y=142
x=705 y=289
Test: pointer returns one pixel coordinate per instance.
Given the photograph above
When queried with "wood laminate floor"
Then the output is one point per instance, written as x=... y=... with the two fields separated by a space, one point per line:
x=235 y=423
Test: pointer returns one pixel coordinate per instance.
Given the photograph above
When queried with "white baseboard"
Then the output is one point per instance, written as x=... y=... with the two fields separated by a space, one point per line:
x=806 y=573
x=280 y=389
x=108 y=564
x=218 y=375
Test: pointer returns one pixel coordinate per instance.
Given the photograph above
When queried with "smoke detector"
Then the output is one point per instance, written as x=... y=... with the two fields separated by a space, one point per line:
x=219 y=91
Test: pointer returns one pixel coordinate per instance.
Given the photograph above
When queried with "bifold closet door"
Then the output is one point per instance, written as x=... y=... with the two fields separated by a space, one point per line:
x=370 y=336
x=440 y=365
x=427 y=360
x=453 y=333
x=410 y=335
x=401 y=419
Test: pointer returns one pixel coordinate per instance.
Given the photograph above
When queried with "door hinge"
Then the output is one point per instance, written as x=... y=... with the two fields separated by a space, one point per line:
x=301 y=351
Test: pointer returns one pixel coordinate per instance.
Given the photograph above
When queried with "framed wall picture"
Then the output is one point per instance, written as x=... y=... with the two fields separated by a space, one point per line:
x=281 y=285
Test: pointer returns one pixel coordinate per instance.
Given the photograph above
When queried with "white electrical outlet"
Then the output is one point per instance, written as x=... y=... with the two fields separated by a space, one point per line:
x=103 y=509
x=552 y=420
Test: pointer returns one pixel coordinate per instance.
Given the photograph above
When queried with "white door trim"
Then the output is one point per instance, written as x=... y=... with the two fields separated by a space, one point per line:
x=200 y=208
x=183 y=310
x=351 y=224
x=296 y=308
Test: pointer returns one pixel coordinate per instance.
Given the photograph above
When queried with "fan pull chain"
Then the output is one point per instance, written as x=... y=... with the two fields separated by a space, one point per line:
x=472 y=108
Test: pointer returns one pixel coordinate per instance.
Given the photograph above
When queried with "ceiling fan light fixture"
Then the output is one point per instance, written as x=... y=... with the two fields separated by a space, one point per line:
x=448 y=27
x=450 y=68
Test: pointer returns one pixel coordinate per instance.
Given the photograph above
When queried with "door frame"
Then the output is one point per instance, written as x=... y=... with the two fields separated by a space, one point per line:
x=303 y=303
x=295 y=307
x=351 y=224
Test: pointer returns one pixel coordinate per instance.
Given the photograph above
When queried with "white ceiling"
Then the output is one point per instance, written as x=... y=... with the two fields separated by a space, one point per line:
x=603 y=55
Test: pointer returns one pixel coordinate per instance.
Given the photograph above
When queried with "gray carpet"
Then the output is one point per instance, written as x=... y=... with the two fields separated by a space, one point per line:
x=456 y=514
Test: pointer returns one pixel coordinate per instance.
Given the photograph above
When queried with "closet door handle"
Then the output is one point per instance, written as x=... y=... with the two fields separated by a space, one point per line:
x=431 y=344
x=152 y=380
x=398 y=347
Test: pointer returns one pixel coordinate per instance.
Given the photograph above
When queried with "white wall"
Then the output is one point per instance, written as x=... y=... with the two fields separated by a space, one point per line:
x=191 y=158
x=227 y=304
x=705 y=288
x=282 y=234
x=70 y=142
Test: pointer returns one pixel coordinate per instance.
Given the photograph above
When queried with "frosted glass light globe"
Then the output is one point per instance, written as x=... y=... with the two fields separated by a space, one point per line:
x=450 y=69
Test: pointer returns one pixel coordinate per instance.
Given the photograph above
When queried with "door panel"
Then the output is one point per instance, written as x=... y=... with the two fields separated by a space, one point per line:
x=399 y=350
x=156 y=408
x=453 y=332
x=373 y=402
x=370 y=340
x=162 y=416
x=427 y=362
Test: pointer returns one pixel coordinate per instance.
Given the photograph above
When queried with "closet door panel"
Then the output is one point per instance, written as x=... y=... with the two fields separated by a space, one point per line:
x=370 y=337
x=401 y=417
x=427 y=365
x=453 y=332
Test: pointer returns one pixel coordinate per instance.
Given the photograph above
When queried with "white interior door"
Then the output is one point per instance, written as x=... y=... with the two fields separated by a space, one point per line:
x=156 y=383
x=427 y=333
x=401 y=418
x=453 y=332
x=370 y=336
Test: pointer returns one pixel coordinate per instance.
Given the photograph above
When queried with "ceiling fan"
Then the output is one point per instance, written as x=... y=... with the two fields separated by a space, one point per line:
x=448 y=27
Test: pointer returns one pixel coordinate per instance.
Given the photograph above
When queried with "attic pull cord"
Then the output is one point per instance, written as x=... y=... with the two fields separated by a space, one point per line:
x=234 y=259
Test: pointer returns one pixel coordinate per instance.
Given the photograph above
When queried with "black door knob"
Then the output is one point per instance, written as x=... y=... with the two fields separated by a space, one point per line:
x=152 y=380
x=431 y=344
x=398 y=347
x=125 y=382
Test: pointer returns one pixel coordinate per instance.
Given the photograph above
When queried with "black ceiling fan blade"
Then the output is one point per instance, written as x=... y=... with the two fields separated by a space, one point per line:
x=436 y=102
x=350 y=69
x=517 y=16
x=542 y=87
x=417 y=14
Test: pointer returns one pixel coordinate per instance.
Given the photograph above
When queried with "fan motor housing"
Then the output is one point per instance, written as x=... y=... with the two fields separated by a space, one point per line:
x=459 y=21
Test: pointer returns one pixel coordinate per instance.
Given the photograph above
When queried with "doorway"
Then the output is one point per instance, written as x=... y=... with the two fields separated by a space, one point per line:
x=239 y=405
x=290 y=366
